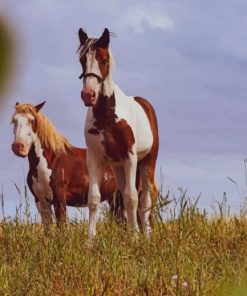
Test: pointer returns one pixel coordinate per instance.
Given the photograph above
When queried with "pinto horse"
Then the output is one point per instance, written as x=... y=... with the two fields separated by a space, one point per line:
x=119 y=130
x=58 y=172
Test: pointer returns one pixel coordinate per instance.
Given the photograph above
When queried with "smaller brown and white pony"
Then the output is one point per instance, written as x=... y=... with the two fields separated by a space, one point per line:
x=119 y=130
x=58 y=172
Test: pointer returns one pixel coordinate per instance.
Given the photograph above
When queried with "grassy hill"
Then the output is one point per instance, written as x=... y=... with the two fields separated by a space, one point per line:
x=189 y=253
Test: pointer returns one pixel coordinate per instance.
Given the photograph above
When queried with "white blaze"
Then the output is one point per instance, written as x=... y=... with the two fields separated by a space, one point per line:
x=92 y=66
x=23 y=128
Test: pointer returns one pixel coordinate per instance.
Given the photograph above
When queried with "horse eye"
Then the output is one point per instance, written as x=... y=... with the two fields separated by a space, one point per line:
x=104 y=62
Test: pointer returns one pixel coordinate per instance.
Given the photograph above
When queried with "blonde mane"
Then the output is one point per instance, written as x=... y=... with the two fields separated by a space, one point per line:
x=47 y=133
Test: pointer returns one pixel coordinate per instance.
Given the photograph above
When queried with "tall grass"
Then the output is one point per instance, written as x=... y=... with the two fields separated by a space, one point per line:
x=188 y=253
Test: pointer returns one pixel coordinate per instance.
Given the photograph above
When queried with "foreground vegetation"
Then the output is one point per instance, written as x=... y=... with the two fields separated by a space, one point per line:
x=187 y=254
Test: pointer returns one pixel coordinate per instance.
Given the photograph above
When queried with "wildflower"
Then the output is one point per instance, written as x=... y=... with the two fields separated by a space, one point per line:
x=185 y=285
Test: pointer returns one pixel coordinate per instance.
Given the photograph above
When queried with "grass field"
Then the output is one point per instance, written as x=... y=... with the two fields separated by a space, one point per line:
x=188 y=253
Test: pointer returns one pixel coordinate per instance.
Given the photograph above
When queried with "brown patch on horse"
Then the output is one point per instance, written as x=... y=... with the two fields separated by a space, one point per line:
x=150 y=158
x=118 y=135
x=118 y=140
x=103 y=58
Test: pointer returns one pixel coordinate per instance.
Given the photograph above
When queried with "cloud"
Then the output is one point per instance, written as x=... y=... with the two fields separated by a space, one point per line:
x=138 y=17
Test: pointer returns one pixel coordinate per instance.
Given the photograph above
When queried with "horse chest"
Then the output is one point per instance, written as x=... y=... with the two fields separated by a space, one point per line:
x=114 y=142
x=41 y=176
x=108 y=134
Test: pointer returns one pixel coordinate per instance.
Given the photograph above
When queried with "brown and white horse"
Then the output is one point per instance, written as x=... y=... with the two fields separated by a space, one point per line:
x=119 y=130
x=58 y=172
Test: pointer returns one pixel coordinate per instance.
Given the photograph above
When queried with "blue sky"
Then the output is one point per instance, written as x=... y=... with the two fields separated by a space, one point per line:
x=189 y=58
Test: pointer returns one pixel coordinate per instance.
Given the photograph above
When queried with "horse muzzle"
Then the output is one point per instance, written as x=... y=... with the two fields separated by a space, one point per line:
x=89 y=98
x=19 y=149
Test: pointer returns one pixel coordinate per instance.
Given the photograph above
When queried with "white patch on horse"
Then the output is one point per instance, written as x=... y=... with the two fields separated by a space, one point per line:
x=41 y=184
x=93 y=141
x=92 y=65
x=22 y=127
x=107 y=177
x=131 y=111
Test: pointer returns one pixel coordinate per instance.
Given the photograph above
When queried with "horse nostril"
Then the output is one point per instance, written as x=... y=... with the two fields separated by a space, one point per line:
x=17 y=146
x=92 y=93
x=87 y=92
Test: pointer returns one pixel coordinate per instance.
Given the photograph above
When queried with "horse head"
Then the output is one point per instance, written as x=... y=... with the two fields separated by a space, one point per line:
x=96 y=62
x=25 y=126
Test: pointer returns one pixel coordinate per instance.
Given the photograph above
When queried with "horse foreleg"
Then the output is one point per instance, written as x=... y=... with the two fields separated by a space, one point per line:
x=60 y=212
x=95 y=172
x=130 y=193
x=44 y=208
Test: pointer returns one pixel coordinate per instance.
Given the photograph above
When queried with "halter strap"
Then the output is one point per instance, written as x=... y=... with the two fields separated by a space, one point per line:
x=100 y=79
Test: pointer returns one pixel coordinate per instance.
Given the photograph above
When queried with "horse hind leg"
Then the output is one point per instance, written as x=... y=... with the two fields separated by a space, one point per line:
x=116 y=202
x=154 y=197
x=117 y=205
x=145 y=201
x=154 y=191
x=149 y=190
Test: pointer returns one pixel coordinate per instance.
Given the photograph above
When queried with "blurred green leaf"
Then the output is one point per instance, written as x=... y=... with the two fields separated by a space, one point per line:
x=6 y=56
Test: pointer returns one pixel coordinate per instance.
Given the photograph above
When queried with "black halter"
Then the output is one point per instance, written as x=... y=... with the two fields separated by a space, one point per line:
x=100 y=79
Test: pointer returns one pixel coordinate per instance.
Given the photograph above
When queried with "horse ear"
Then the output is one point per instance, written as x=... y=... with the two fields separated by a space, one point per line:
x=39 y=106
x=82 y=36
x=16 y=104
x=104 y=40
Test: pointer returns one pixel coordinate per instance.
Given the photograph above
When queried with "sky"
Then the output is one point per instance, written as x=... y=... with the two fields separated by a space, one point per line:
x=188 y=57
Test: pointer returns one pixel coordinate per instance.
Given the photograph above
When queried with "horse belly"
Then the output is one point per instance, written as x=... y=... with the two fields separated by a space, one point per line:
x=144 y=145
x=143 y=133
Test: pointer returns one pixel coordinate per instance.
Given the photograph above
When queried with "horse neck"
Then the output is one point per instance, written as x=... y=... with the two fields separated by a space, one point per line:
x=105 y=111
x=37 y=151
